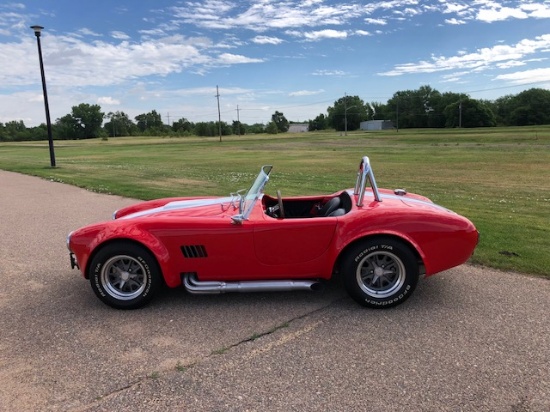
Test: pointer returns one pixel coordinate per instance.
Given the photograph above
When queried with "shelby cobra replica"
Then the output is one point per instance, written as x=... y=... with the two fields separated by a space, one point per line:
x=379 y=241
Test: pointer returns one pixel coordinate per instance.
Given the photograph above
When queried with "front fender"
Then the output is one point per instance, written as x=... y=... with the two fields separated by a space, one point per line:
x=86 y=242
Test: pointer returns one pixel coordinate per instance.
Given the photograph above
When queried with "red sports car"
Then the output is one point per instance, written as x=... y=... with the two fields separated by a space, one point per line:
x=379 y=241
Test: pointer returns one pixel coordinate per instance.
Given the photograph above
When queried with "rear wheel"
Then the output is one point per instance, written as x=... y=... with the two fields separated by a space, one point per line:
x=380 y=273
x=124 y=275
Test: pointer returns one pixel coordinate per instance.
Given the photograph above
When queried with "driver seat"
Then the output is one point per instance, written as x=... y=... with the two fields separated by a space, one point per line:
x=329 y=207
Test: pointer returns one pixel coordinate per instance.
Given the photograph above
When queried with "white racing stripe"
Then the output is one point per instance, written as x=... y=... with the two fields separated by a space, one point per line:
x=180 y=205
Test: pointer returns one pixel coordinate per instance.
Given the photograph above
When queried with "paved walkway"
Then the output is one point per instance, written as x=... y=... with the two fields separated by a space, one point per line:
x=470 y=339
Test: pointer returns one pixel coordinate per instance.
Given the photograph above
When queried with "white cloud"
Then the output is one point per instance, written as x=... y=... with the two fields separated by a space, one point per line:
x=537 y=10
x=497 y=13
x=301 y=93
x=72 y=62
x=228 y=58
x=108 y=100
x=158 y=32
x=381 y=22
x=454 y=21
x=264 y=15
x=119 y=35
x=329 y=73
x=325 y=34
x=509 y=64
x=14 y=5
x=140 y=71
x=527 y=76
x=87 y=32
x=267 y=40
x=480 y=60
x=450 y=7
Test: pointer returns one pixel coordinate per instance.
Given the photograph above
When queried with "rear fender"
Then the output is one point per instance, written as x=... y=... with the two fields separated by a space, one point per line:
x=413 y=246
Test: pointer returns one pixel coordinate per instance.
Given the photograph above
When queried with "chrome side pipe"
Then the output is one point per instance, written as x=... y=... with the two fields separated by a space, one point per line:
x=195 y=286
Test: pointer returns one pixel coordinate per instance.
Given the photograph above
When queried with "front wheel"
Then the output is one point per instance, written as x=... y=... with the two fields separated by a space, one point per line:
x=124 y=275
x=380 y=273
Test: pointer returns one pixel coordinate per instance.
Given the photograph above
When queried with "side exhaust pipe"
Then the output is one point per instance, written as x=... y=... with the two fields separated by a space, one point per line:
x=195 y=286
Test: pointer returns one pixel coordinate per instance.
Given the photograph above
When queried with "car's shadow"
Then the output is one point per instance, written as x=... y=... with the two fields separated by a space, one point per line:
x=430 y=294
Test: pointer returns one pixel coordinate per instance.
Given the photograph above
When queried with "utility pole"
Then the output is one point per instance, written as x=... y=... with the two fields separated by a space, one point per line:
x=397 y=117
x=219 y=113
x=345 y=114
x=460 y=114
x=238 y=122
x=346 y=108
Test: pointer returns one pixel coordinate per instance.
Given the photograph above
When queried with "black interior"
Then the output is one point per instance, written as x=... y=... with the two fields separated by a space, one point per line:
x=324 y=206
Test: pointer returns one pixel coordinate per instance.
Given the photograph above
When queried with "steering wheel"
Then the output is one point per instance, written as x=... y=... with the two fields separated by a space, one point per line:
x=280 y=202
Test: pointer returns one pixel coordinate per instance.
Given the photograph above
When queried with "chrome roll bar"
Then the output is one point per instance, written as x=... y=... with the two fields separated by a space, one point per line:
x=364 y=172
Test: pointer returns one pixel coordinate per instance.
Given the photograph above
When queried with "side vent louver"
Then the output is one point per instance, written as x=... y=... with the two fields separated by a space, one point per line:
x=194 y=251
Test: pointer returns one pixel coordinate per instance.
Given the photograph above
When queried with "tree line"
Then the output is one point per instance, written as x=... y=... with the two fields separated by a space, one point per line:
x=421 y=108
x=429 y=108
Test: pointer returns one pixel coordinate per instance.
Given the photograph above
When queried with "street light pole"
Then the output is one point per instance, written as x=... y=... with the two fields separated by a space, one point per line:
x=346 y=108
x=37 y=30
x=345 y=115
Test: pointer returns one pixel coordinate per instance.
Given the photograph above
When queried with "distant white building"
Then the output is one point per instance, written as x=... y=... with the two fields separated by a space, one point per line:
x=376 y=125
x=298 y=128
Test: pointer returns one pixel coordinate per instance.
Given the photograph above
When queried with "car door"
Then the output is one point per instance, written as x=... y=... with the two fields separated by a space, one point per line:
x=292 y=241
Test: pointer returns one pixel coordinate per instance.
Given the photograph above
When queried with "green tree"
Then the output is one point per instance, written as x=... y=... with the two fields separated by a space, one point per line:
x=319 y=123
x=444 y=100
x=210 y=129
x=502 y=108
x=151 y=123
x=377 y=111
x=83 y=122
x=531 y=107
x=280 y=121
x=119 y=124
x=66 y=128
x=469 y=113
x=271 y=128
x=238 y=128
x=347 y=113
x=16 y=130
x=423 y=107
x=88 y=120
x=39 y=132
x=255 y=128
x=182 y=126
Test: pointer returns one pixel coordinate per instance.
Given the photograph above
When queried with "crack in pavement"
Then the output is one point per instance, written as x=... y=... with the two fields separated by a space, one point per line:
x=181 y=368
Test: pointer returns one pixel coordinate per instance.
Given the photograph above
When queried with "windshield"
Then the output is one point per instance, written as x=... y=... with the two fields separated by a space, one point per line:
x=248 y=200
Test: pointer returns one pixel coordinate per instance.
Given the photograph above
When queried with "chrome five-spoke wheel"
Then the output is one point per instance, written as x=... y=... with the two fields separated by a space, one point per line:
x=380 y=272
x=124 y=275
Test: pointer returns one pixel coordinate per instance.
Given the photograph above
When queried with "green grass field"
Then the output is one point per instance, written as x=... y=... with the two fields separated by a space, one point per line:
x=499 y=177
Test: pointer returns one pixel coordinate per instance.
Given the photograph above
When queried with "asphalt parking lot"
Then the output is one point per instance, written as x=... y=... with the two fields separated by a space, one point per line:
x=469 y=339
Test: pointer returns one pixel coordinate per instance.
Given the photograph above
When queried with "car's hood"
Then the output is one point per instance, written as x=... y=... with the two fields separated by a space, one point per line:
x=182 y=206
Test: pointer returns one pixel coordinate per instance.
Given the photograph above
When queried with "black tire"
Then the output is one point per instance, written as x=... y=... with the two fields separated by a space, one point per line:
x=124 y=275
x=380 y=272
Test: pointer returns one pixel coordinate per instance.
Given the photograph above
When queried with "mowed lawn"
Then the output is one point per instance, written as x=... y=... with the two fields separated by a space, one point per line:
x=498 y=177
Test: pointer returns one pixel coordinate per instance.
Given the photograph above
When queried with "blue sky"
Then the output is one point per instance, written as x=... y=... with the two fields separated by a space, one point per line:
x=296 y=57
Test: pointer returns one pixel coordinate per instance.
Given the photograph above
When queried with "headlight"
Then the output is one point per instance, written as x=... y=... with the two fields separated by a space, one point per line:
x=114 y=214
x=69 y=240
